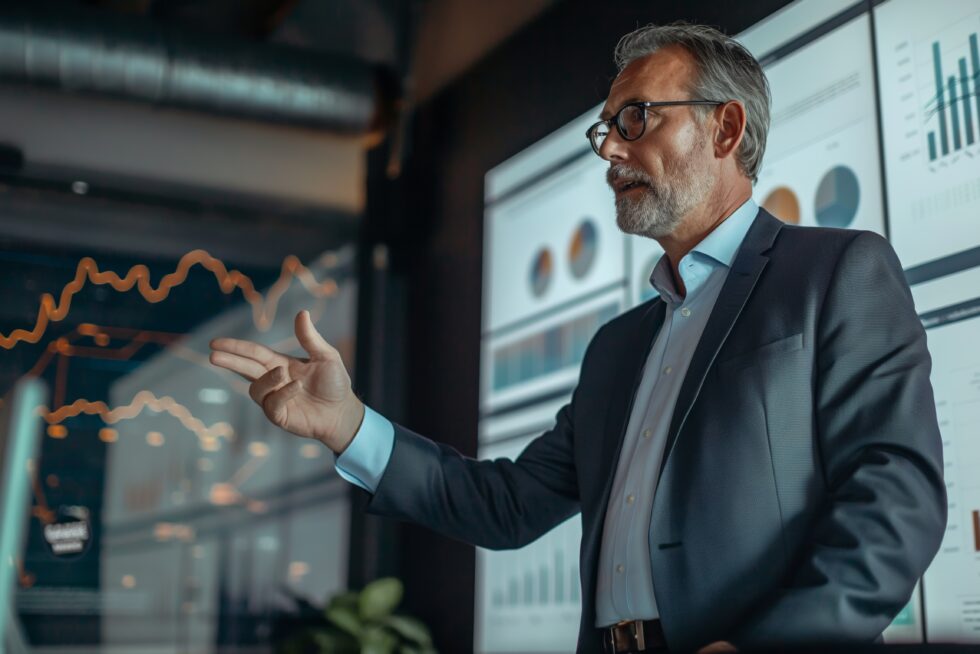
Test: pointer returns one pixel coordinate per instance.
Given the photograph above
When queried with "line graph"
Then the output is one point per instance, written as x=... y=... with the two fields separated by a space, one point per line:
x=208 y=435
x=264 y=308
x=64 y=348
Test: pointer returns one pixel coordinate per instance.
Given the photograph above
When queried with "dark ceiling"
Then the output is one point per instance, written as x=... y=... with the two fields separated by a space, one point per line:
x=426 y=43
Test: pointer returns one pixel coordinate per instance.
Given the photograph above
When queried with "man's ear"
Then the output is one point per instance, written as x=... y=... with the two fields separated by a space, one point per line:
x=730 y=123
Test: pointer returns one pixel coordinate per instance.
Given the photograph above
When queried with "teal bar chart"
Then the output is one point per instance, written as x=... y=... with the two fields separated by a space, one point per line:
x=956 y=105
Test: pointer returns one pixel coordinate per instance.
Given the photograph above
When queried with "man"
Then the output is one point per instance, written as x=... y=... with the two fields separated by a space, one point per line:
x=755 y=453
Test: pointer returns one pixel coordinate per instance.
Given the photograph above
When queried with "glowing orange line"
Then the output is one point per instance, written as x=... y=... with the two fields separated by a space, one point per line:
x=63 y=344
x=61 y=379
x=242 y=474
x=141 y=400
x=124 y=353
x=42 y=361
x=24 y=578
x=42 y=512
x=263 y=309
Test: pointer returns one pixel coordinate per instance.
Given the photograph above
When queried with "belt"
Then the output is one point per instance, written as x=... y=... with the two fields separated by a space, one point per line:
x=634 y=636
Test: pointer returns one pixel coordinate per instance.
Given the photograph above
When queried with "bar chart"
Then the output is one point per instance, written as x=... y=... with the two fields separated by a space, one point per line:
x=976 y=531
x=956 y=105
x=929 y=83
x=519 y=591
x=548 y=583
x=952 y=582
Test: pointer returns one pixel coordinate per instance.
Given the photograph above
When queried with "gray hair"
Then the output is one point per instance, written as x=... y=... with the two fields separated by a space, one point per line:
x=725 y=71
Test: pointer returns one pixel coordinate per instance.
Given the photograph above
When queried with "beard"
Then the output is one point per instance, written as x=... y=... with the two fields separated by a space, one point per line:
x=659 y=207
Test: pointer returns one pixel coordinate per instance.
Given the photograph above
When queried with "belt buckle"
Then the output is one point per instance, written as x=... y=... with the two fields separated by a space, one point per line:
x=638 y=635
x=636 y=631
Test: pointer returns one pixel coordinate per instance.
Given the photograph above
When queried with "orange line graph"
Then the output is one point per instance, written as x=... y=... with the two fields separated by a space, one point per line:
x=263 y=308
x=64 y=348
x=142 y=400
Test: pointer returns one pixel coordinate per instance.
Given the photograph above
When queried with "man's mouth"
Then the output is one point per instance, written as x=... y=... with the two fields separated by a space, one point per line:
x=624 y=187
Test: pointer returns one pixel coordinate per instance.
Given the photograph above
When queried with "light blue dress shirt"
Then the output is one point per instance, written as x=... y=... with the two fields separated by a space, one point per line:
x=624 y=588
x=625 y=585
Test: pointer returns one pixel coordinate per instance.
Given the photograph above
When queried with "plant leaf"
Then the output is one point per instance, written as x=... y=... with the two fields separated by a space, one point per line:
x=347 y=620
x=378 y=640
x=410 y=629
x=379 y=598
x=335 y=642
x=346 y=600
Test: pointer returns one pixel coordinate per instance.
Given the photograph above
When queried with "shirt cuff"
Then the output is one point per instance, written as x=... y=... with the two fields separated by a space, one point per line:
x=364 y=461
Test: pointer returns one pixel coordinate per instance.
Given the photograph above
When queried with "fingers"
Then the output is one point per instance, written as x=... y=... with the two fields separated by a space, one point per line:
x=266 y=384
x=250 y=350
x=249 y=369
x=310 y=338
x=275 y=403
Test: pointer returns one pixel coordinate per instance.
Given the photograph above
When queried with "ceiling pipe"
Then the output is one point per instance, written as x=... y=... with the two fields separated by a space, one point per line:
x=90 y=51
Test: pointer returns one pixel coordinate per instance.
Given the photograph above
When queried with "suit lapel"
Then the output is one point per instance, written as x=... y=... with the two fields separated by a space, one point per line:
x=746 y=268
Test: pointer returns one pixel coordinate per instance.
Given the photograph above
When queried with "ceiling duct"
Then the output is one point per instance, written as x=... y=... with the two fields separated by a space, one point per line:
x=96 y=52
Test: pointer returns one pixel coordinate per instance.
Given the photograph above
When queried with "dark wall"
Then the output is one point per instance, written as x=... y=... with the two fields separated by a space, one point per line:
x=432 y=218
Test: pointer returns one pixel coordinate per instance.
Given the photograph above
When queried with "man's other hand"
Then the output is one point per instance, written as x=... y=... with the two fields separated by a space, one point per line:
x=717 y=647
x=308 y=397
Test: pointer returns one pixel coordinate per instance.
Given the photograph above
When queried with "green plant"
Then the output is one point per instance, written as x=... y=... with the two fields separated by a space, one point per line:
x=364 y=623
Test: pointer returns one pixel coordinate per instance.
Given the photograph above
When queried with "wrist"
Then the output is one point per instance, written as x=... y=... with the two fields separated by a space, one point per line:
x=351 y=417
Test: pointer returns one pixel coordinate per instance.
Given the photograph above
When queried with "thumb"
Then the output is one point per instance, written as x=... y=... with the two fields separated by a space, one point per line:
x=309 y=337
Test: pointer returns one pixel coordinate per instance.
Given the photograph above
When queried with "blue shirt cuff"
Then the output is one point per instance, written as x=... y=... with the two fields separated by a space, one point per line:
x=365 y=459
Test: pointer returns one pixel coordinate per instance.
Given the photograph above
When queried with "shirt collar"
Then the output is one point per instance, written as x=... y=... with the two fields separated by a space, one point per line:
x=720 y=246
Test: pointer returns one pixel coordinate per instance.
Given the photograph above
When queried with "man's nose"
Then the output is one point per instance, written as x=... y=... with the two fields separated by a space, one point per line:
x=613 y=147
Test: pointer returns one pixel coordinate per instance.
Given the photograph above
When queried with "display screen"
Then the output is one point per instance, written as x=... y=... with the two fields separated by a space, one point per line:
x=524 y=589
x=165 y=508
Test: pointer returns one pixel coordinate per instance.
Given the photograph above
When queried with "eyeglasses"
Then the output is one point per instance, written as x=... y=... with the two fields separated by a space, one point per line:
x=631 y=121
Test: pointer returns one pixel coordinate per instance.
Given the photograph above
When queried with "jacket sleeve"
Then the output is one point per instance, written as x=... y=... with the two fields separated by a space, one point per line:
x=498 y=504
x=881 y=452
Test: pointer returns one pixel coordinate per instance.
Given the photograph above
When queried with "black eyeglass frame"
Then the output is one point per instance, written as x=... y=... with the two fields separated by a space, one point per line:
x=643 y=105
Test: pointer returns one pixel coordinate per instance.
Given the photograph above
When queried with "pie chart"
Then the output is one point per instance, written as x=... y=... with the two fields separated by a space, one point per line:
x=837 y=198
x=542 y=269
x=783 y=203
x=582 y=249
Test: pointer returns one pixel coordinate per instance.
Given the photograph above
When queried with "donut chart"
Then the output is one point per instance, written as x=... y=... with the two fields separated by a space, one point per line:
x=542 y=270
x=582 y=249
x=838 y=195
x=783 y=203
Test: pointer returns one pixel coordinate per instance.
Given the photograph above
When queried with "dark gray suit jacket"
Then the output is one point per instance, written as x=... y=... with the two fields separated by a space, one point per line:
x=801 y=494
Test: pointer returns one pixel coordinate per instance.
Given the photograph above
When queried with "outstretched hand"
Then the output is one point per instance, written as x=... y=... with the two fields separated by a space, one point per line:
x=308 y=397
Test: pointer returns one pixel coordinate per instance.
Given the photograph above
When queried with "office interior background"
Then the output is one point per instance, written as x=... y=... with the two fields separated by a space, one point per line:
x=415 y=174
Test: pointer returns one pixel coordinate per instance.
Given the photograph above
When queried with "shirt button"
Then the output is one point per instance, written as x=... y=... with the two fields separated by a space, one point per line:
x=685 y=312
x=648 y=433
x=620 y=568
x=667 y=370
x=629 y=499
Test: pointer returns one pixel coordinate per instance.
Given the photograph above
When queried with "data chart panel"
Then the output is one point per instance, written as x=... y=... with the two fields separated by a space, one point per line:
x=952 y=583
x=929 y=75
x=528 y=600
x=821 y=166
